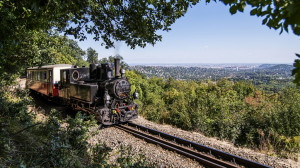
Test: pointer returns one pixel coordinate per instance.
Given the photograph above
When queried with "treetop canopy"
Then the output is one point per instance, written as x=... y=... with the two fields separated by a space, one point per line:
x=135 y=22
x=26 y=24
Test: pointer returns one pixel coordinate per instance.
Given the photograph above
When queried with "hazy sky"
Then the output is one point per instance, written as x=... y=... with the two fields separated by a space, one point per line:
x=210 y=34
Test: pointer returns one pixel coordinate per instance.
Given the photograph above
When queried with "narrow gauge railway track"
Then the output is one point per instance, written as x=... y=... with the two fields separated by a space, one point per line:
x=214 y=158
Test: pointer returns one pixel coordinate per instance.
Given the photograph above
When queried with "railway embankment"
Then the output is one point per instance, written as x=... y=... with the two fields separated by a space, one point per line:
x=116 y=139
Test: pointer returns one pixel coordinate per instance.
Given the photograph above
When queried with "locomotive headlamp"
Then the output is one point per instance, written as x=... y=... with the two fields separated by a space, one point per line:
x=123 y=73
x=135 y=95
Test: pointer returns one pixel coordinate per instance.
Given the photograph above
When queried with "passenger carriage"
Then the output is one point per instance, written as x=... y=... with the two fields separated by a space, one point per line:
x=45 y=79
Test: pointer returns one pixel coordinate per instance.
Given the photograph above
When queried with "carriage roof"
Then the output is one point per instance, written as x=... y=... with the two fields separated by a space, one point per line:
x=51 y=66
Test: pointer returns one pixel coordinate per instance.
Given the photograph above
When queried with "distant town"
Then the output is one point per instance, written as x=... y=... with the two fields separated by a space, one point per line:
x=217 y=71
x=268 y=76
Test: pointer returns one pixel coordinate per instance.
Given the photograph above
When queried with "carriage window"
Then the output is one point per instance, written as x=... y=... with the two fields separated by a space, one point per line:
x=45 y=76
x=64 y=76
x=33 y=75
x=50 y=75
x=68 y=76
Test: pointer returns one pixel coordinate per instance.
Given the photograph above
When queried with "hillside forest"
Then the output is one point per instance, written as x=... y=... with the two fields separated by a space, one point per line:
x=239 y=112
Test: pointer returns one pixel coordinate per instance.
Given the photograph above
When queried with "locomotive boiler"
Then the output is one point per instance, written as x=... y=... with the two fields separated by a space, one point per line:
x=101 y=90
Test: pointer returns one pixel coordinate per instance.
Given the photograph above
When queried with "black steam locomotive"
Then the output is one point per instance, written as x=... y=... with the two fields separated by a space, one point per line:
x=96 y=90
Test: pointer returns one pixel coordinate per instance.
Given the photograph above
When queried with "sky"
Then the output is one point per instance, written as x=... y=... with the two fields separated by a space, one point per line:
x=208 y=33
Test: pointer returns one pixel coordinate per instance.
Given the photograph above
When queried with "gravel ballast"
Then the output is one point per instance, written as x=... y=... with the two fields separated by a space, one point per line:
x=115 y=138
x=220 y=145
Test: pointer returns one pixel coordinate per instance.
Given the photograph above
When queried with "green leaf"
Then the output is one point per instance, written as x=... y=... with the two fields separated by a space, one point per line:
x=253 y=12
x=226 y=2
x=265 y=21
x=296 y=71
x=233 y=9
x=240 y=7
x=285 y=26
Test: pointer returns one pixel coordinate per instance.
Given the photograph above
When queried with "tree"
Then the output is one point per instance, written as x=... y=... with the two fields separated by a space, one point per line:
x=38 y=49
x=92 y=55
x=135 y=22
x=64 y=51
x=110 y=59
x=277 y=14
x=296 y=70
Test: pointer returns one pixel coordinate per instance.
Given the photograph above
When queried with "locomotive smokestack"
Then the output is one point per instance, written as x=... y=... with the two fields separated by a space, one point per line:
x=117 y=67
x=93 y=71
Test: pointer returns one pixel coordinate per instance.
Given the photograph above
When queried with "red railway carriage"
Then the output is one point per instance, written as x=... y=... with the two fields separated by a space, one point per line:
x=45 y=79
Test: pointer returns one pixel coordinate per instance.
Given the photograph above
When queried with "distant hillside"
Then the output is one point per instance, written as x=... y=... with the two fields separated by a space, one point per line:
x=281 y=67
x=263 y=66
x=276 y=67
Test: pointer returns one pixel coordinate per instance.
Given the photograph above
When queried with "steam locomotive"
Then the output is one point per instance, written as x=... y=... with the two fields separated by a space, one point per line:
x=96 y=90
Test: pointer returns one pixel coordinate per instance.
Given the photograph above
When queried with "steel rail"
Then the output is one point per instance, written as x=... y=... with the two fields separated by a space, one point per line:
x=170 y=146
x=199 y=147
